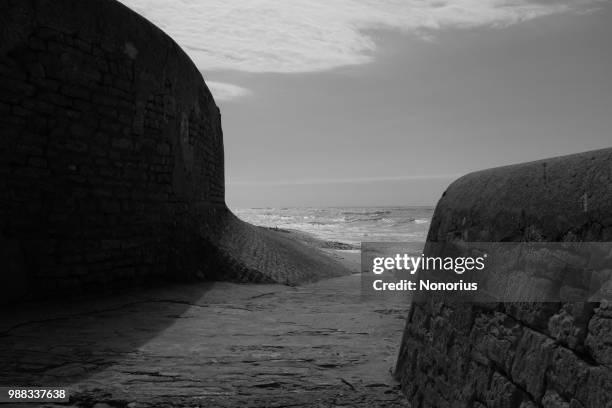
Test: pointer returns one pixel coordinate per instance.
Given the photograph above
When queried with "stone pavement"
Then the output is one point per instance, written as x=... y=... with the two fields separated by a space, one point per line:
x=212 y=345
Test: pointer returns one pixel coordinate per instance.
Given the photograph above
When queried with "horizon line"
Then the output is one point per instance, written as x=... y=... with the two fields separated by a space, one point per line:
x=341 y=180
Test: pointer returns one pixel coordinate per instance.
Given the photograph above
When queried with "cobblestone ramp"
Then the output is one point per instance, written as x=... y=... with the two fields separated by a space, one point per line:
x=258 y=254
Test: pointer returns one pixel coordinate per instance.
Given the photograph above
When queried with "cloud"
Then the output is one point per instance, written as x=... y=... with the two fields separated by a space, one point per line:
x=292 y=36
x=222 y=91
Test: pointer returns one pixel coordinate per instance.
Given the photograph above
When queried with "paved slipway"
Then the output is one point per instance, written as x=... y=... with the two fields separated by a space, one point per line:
x=212 y=345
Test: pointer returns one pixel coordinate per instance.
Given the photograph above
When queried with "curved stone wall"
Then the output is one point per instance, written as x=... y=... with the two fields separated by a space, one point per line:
x=513 y=354
x=112 y=158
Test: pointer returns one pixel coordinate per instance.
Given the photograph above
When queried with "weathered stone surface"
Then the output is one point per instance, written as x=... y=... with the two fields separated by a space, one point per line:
x=553 y=400
x=597 y=392
x=496 y=337
x=502 y=393
x=532 y=358
x=568 y=372
x=599 y=339
x=537 y=355
x=537 y=201
x=575 y=404
x=217 y=344
x=569 y=326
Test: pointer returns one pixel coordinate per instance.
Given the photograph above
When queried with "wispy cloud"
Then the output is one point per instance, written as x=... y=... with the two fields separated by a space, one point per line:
x=314 y=181
x=226 y=92
x=313 y=35
x=290 y=36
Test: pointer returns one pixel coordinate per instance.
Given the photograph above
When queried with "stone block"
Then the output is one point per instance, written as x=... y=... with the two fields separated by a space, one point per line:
x=599 y=339
x=502 y=393
x=531 y=360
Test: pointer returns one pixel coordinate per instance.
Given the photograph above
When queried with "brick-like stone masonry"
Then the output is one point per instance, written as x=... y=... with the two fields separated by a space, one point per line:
x=111 y=148
x=512 y=354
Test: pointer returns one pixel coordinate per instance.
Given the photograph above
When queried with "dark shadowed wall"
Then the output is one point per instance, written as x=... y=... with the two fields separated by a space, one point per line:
x=516 y=354
x=111 y=148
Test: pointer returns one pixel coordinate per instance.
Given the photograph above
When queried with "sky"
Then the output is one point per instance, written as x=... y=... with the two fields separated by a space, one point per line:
x=386 y=102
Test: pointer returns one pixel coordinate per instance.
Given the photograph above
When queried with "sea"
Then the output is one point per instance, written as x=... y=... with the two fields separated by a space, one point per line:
x=350 y=225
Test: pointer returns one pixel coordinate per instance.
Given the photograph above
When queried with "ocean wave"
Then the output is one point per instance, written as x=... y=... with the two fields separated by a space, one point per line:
x=383 y=220
x=378 y=212
x=408 y=220
x=348 y=225
x=364 y=219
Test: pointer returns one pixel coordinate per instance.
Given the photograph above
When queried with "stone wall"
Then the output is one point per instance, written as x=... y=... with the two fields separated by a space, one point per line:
x=111 y=156
x=513 y=354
